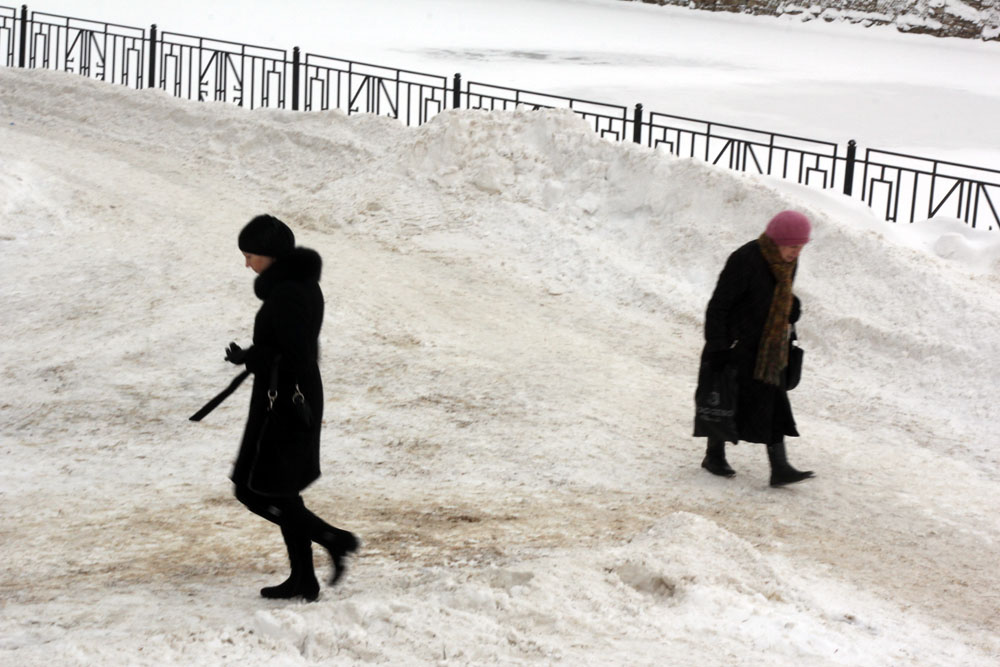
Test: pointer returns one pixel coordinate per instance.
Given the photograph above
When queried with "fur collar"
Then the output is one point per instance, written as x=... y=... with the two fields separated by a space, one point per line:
x=302 y=265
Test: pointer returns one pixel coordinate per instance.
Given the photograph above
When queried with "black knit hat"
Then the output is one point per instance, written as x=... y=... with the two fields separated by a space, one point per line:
x=268 y=236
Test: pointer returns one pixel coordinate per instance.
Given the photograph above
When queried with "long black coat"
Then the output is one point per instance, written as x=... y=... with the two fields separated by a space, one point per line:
x=282 y=462
x=735 y=318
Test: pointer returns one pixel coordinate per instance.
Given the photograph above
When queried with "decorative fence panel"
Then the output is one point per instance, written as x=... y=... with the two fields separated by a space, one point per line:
x=333 y=83
x=905 y=188
x=203 y=69
x=8 y=36
x=608 y=120
x=901 y=188
x=106 y=51
x=805 y=161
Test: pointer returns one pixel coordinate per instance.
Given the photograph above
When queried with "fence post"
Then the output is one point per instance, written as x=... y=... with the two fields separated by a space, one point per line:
x=295 y=78
x=24 y=36
x=456 y=93
x=852 y=149
x=151 y=83
x=637 y=124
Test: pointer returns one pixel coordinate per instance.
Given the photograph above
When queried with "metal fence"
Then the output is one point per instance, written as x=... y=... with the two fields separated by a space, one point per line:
x=806 y=161
x=901 y=188
x=106 y=51
x=203 y=69
x=334 y=83
x=905 y=187
x=8 y=36
x=611 y=121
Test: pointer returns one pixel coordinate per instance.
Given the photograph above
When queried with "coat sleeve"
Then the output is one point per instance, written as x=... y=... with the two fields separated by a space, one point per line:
x=731 y=286
x=259 y=357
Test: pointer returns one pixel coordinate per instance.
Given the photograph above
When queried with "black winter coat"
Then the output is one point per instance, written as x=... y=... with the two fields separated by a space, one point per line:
x=284 y=461
x=735 y=318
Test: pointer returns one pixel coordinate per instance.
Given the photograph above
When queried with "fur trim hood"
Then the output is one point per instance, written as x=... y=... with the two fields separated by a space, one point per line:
x=302 y=265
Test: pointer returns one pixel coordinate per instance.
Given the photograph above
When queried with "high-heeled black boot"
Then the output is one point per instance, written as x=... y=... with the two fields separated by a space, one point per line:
x=715 y=459
x=339 y=544
x=302 y=580
x=782 y=473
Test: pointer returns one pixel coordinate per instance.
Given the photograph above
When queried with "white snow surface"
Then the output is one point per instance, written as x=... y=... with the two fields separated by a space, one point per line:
x=514 y=312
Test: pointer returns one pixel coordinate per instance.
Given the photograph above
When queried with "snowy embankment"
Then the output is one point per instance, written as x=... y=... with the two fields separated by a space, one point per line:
x=977 y=19
x=514 y=311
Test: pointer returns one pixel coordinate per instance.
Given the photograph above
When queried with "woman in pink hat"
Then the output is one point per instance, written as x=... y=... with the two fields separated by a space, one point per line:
x=748 y=323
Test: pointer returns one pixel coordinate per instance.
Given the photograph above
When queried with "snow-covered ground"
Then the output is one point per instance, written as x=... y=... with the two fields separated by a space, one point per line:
x=974 y=19
x=915 y=94
x=514 y=318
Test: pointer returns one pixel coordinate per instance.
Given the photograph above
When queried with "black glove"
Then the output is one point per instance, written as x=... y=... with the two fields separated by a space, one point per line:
x=718 y=359
x=236 y=354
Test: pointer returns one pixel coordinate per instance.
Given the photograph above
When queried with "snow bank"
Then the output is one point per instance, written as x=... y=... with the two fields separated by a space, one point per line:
x=514 y=312
x=977 y=19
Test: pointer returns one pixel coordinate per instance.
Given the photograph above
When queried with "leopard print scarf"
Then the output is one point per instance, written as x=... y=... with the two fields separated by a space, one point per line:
x=772 y=355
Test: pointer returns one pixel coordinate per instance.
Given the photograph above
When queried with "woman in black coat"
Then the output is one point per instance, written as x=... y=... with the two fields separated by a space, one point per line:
x=279 y=454
x=748 y=325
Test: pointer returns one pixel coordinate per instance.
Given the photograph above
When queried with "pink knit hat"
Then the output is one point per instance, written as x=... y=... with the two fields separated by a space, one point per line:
x=789 y=228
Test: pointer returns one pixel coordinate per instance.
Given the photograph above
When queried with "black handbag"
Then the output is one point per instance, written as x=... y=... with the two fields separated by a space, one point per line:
x=283 y=441
x=295 y=414
x=793 y=373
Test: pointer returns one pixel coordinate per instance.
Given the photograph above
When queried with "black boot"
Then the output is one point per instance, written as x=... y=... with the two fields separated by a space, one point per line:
x=302 y=580
x=338 y=543
x=715 y=459
x=782 y=473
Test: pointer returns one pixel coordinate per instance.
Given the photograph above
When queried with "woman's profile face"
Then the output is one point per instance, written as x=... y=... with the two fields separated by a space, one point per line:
x=258 y=262
x=790 y=253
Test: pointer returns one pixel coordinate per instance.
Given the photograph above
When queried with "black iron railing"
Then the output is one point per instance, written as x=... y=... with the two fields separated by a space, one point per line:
x=805 y=161
x=901 y=188
x=9 y=25
x=203 y=69
x=334 y=83
x=106 y=51
x=608 y=120
x=904 y=188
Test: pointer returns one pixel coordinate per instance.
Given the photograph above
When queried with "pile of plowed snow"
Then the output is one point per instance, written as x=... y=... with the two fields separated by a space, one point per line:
x=514 y=312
